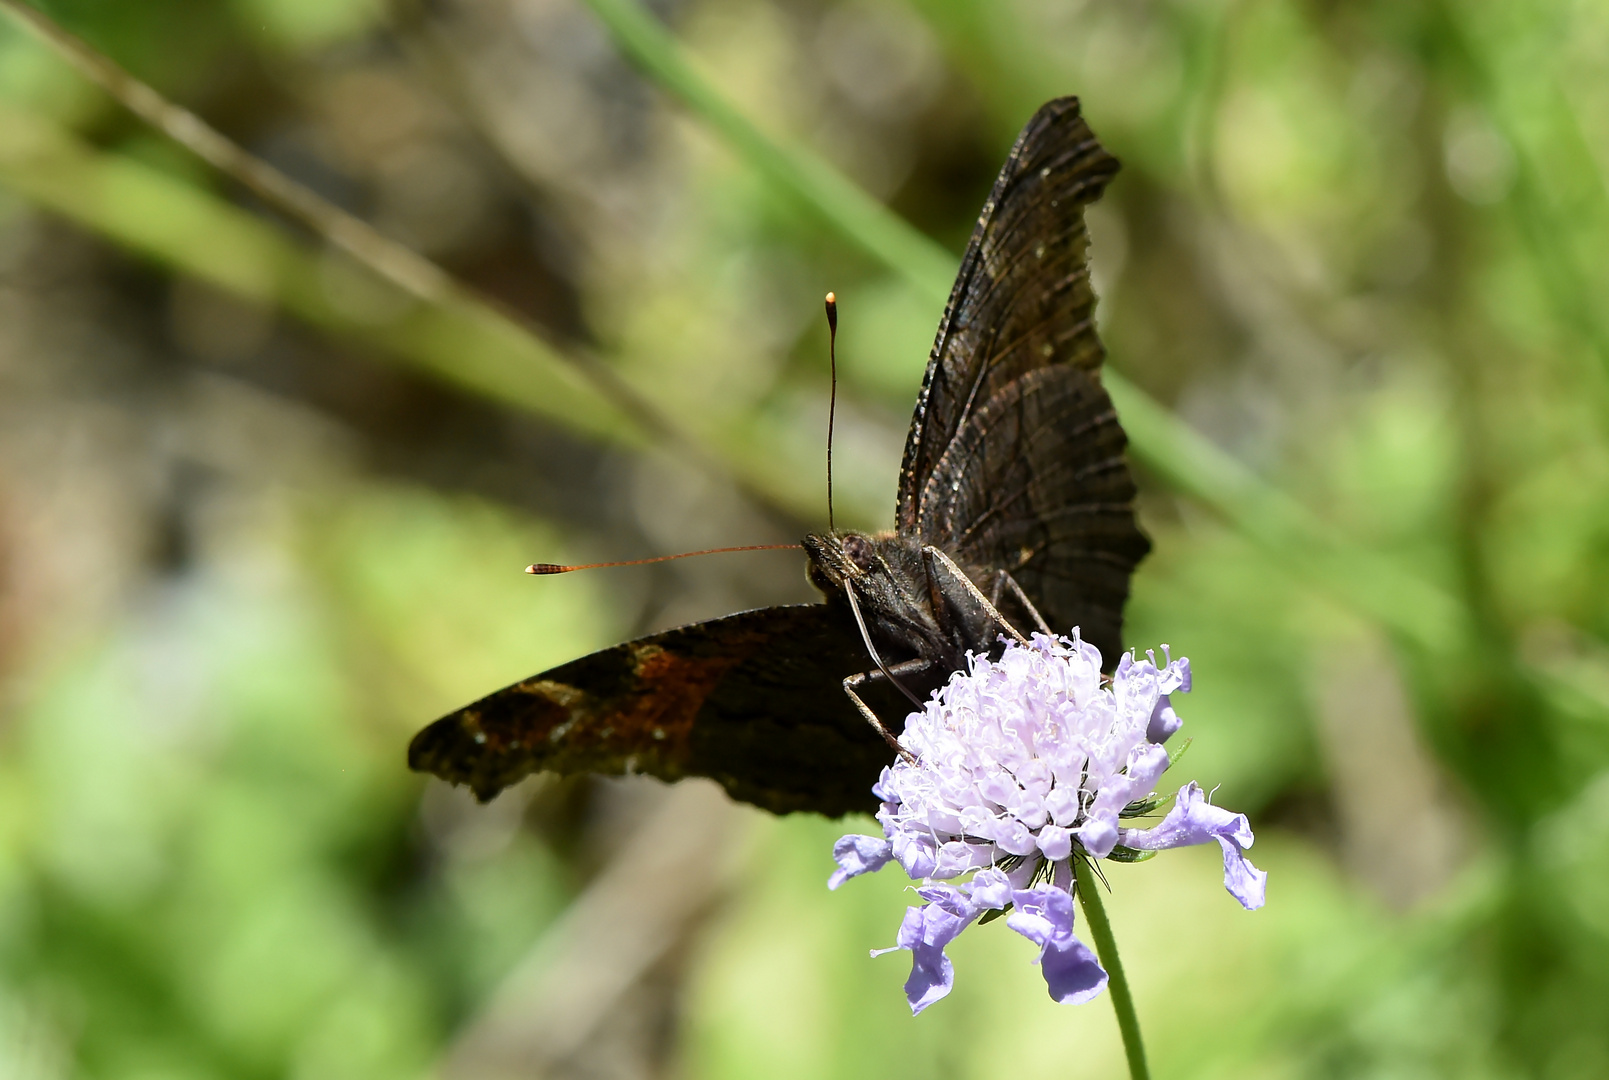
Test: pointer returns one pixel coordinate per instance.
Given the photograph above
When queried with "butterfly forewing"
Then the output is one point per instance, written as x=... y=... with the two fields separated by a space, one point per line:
x=1014 y=460
x=752 y=701
x=1022 y=299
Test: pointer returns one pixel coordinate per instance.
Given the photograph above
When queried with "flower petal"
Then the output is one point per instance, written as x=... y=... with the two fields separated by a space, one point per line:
x=1146 y=765
x=1062 y=803
x=1178 y=670
x=925 y=931
x=857 y=855
x=1044 y=915
x=1164 y=721
x=1072 y=973
x=910 y=932
x=1098 y=834
x=1193 y=820
x=1244 y=881
x=1055 y=842
x=990 y=888
x=916 y=853
x=1023 y=874
x=953 y=899
x=956 y=858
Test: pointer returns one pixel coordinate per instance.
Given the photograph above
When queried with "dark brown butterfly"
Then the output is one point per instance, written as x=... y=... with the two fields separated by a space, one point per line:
x=1015 y=512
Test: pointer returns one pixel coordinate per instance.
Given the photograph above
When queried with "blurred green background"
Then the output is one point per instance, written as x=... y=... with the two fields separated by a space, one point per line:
x=262 y=515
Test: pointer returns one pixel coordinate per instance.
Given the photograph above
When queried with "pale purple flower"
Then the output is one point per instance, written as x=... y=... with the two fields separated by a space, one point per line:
x=1023 y=764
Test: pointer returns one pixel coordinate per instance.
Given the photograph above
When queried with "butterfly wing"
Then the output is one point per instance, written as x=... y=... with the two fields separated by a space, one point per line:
x=752 y=701
x=1014 y=459
x=1035 y=484
x=1022 y=299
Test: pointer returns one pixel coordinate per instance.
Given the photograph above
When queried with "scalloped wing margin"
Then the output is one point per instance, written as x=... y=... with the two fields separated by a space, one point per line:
x=753 y=701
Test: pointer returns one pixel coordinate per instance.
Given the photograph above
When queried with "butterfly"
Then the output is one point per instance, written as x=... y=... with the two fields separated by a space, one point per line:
x=1014 y=513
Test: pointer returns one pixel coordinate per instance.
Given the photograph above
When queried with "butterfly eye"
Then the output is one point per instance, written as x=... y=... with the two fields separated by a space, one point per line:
x=859 y=551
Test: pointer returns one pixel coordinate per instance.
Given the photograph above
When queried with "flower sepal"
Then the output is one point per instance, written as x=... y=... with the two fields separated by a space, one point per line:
x=1129 y=855
x=993 y=914
x=1141 y=807
x=1178 y=752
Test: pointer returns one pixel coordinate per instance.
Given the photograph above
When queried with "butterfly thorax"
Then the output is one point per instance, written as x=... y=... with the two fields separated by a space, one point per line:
x=911 y=607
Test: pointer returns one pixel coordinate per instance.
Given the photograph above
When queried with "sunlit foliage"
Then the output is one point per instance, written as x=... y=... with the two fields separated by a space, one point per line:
x=262 y=516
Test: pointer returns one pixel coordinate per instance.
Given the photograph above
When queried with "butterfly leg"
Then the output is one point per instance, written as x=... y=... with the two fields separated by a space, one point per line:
x=1003 y=577
x=909 y=667
x=865 y=636
x=934 y=556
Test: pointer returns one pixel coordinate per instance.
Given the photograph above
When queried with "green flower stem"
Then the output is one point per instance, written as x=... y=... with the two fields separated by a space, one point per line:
x=1128 y=1022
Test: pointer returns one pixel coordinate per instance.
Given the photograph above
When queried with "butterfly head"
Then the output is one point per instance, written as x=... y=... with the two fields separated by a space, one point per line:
x=870 y=565
x=838 y=560
x=881 y=578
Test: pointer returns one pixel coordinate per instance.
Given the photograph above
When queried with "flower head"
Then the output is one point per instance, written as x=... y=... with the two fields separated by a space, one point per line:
x=1021 y=765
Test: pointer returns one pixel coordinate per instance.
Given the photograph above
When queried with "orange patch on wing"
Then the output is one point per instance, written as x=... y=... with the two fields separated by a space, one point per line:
x=669 y=691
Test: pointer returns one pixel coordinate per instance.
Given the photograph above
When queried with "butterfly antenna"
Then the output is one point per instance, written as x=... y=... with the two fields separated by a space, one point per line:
x=832 y=394
x=556 y=568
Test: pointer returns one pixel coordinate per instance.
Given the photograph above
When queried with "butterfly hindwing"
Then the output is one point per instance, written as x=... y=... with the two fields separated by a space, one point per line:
x=753 y=701
x=1035 y=484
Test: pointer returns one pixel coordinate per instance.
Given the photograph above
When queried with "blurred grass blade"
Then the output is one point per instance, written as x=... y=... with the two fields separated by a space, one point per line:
x=436 y=321
x=1287 y=530
x=192 y=231
x=451 y=337
x=861 y=218
x=1548 y=230
x=1188 y=460
x=403 y=267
